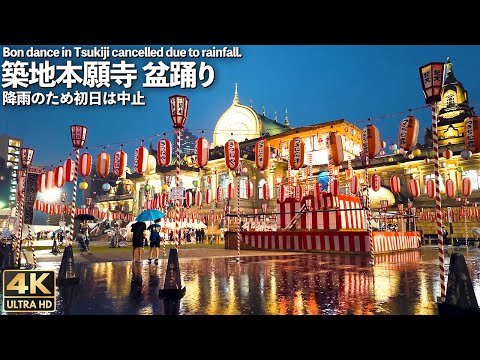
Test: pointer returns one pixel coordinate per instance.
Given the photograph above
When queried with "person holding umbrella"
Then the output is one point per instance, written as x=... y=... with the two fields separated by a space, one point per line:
x=155 y=229
x=138 y=229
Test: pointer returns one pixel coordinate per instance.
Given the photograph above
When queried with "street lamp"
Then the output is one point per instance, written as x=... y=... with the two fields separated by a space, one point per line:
x=178 y=113
x=431 y=76
x=26 y=155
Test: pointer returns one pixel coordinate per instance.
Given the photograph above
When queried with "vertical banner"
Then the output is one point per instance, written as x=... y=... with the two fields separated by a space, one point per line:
x=30 y=194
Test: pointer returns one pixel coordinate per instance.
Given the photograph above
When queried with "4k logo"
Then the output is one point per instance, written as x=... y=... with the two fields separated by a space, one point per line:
x=29 y=290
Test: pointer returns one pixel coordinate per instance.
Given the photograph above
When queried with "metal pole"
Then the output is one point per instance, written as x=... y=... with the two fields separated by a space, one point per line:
x=18 y=249
x=438 y=201
x=369 y=215
x=177 y=182
x=30 y=238
x=238 y=217
x=74 y=197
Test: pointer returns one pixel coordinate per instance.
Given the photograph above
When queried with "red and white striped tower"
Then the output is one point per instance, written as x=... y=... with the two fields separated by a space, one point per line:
x=18 y=246
x=178 y=113
x=32 y=247
x=349 y=167
x=239 y=171
x=369 y=217
x=431 y=77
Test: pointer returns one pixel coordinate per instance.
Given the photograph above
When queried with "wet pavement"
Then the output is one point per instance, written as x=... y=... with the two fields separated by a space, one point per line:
x=273 y=284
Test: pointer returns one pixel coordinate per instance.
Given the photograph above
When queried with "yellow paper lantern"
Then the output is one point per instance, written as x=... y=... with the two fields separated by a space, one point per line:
x=164 y=188
x=417 y=152
x=83 y=185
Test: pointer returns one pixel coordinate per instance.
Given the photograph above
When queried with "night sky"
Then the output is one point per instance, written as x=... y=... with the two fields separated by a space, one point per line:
x=316 y=83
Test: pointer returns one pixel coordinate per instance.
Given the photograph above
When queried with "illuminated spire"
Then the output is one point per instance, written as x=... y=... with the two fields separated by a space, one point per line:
x=286 y=118
x=263 y=110
x=235 y=97
x=251 y=103
x=275 y=117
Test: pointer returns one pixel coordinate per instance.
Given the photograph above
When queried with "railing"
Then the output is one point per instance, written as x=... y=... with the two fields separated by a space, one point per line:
x=115 y=197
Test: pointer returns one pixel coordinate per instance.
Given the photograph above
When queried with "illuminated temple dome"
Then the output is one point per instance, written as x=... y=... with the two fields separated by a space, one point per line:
x=245 y=123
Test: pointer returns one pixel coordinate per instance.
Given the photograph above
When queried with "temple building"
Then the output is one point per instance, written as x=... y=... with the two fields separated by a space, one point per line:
x=245 y=125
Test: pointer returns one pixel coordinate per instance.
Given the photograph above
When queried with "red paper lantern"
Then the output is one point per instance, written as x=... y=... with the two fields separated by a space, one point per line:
x=198 y=198
x=119 y=163
x=69 y=170
x=202 y=149
x=371 y=141
x=50 y=181
x=188 y=199
x=85 y=164
x=395 y=184
x=164 y=152
x=265 y=192
x=376 y=182
x=296 y=152
x=430 y=185
x=450 y=188
x=219 y=194
x=335 y=187
x=232 y=154
x=431 y=76
x=466 y=187
x=335 y=145
x=298 y=193
x=42 y=182
x=178 y=110
x=408 y=133
x=349 y=173
x=208 y=196
x=103 y=164
x=262 y=154
x=414 y=187
x=140 y=160
x=249 y=189
x=447 y=154
x=231 y=191
x=354 y=185
x=78 y=135
x=472 y=134
x=282 y=193
x=59 y=177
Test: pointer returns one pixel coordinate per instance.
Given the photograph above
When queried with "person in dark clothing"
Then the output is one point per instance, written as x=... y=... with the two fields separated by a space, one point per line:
x=170 y=236
x=138 y=229
x=445 y=235
x=155 y=229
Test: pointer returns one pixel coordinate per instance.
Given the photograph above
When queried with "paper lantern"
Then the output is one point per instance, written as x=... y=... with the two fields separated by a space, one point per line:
x=42 y=182
x=59 y=177
x=335 y=145
x=371 y=141
x=202 y=151
x=208 y=196
x=147 y=187
x=178 y=110
x=354 y=185
x=335 y=187
x=472 y=134
x=414 y=187
x=466 y=187
x=164 y=152
x=430 y=154
x=262 y=154
x=450 y=188
x=119 y=163
x=85 y=164
x=395 y=184
x=188 y=198
x=282 y=193
x=106 y=187
x=393 y=147
x=198 y=198
x=265 y=192
x=296 y=152
x=408 y=133
x=69 y=170
x=427 y=160
x=249 y=189
x=140 y=159
x=298 y=193
x=219 y=196
x=447 y=154
x=376 y=182
x=430 y=185
x=103 y=164
x=50 y=182
x=230 y=191
x=417 y=152
x=466 y=154
x=26 y=155
x=164 y=188
x=460 y=168
x=232 y=154
x=83 y=185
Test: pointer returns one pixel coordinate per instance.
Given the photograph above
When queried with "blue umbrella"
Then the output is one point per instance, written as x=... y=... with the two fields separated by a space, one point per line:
x=150 y=215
